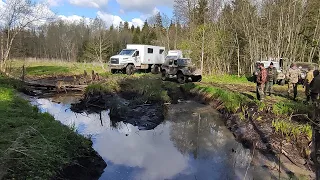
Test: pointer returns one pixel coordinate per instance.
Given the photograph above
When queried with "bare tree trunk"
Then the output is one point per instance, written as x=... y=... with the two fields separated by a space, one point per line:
x=202 y=49
x=238 y=54
x=1 y=45
x=168 y=39
x=176 y=36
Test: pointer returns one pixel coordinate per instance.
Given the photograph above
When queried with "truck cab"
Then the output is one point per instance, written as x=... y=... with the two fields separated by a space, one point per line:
x=125 y=57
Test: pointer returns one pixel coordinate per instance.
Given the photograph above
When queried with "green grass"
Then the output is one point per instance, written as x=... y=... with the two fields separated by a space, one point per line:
x=292 y=130
x=108 y=87
x=32 y=144
x=47 y=70
x=233 y=101
x=226 y=79
x=287 y=107
x=146 y=88
x=54 y=68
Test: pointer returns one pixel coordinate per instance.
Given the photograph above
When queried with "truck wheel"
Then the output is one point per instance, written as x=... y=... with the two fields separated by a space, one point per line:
x=181 y=78
x=155 y=69
x=163 y=75
x=130 y=69
x=113 y=71
x=282 y=82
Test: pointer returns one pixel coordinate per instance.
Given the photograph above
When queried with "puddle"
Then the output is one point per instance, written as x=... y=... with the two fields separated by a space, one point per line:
x=192 y=143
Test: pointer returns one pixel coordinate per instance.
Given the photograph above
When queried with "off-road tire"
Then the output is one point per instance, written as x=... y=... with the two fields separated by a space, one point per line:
x=130 y=69
x=113 y=71
x=164 y=76
x=181 y=78
x=155 y=69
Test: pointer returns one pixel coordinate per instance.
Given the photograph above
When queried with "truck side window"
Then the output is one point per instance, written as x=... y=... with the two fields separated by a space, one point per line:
x=170 y=62
x=161 y=51
x=136 y=54
x=150 y=50
x=175 y=62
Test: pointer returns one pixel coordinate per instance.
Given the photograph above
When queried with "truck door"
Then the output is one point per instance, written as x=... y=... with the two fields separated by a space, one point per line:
x=137 y=59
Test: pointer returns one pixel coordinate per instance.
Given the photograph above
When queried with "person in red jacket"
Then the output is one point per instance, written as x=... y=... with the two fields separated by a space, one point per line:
x=261 y=81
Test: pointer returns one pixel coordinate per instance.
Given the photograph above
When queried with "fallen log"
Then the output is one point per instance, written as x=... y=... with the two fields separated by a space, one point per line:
x=52 y=86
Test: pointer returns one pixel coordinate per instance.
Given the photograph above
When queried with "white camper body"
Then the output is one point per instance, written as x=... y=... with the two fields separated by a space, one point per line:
x=138 y=56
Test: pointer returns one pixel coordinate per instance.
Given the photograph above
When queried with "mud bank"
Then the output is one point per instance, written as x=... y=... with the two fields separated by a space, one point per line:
x=145 y=116
x=255 y=131
x=88 y=167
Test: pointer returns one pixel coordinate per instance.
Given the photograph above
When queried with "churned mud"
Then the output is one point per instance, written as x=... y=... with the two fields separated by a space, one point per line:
x=145 y=116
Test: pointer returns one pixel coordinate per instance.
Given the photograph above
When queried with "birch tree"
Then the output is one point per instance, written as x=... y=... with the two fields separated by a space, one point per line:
x=17 y=16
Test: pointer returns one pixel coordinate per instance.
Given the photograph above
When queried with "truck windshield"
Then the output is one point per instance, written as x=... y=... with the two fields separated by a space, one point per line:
x=171 y=57
x=127 y=52
x=184 y=62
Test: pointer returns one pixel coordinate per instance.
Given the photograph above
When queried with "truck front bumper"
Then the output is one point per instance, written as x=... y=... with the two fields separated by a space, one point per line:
x=117 y=66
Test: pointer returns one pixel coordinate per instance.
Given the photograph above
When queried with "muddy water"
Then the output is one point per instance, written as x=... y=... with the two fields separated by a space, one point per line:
x=192 y=143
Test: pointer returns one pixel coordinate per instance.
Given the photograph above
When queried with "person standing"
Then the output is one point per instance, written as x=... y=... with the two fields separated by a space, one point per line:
x=315 y=86
x=314 y=94
x=261 y=81
x=292 y=76
x=271 y=79
x=307 y=82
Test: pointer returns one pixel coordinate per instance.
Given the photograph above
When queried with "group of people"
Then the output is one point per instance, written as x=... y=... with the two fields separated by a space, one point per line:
x=267 y=77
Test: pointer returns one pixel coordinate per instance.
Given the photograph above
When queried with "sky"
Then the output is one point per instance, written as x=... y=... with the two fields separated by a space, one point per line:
x=111 y=11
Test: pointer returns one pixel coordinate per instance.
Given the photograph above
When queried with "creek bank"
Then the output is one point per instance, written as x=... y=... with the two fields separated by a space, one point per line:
x=33 y=145
x=253 y=127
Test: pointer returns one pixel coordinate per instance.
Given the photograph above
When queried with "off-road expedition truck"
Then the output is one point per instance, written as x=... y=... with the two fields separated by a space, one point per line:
x=138 y=57
x=181 y=69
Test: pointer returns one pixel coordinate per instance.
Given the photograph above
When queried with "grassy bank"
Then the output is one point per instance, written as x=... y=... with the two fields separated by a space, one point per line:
x=32 y=144
x=47 y=68
x=140 y=89
x=269 y=112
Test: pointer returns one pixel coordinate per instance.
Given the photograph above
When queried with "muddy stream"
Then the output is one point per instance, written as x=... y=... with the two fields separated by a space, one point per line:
x=192 y=143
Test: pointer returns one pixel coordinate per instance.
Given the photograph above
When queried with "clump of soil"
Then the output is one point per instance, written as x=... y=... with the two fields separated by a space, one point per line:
x=88 y=167
x=145 y=116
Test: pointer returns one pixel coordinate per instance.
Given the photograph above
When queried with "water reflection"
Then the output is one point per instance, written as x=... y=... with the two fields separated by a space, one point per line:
x=196 y=146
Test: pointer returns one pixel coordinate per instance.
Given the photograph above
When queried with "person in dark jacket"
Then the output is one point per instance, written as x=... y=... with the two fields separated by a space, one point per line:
x=261 y=81
x=315 y=86
x=271 y=79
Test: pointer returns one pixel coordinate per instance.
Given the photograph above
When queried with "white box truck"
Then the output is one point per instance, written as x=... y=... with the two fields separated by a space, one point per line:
x=138 y=56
